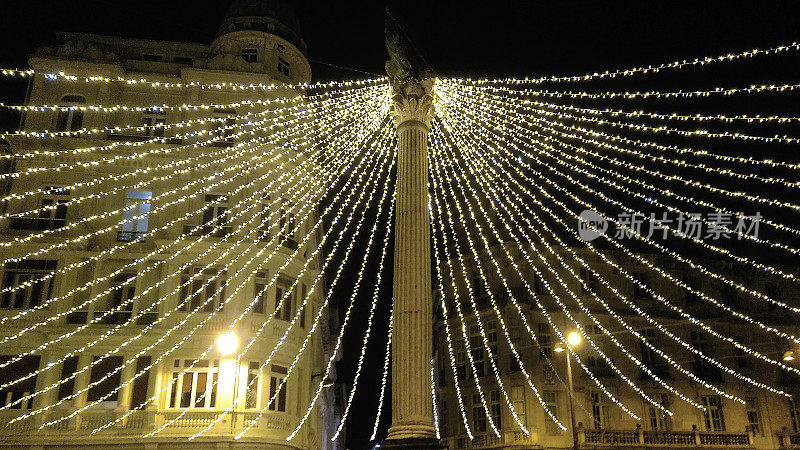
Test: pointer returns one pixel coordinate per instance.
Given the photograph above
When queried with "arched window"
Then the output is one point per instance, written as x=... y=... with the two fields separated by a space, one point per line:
x=70 y=119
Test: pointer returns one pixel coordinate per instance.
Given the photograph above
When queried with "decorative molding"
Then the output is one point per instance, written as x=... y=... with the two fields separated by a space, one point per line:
x=412 y=100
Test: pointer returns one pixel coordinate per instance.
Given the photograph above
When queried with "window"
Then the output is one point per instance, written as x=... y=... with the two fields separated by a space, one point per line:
x=304 y=293
x=67 y=385
x=476 y=350
x=774 y=292
x=659 y=420
x=139 y=395
x=260 y=292
x=545 y=341
x=253 y=385
x=214 y=219
x=263 y=225
x=640 y=293
x=136 y=216
x=599 y=366
x=106 y=390
x=601 y=411
x=250 y=55
x=518 y=402
x=53 y=213
x=225 y=120
x=495 y=407
x=283 y=66
x=284 y=297
x=551 y=400
x=151 y=57
x=714 y=419
x=215 y=210
x=153 y=122
x=650 y=358
x=538 y=285
x=287 y=226
x=197 y=388
x=123 y=289
x=703 y=368
x=753 y=416
x=691 y=298
x=478 y=286
x=794 y=413
x=590 y=283
x=461 y=359
x=515 y=333
x=205 y=292
x=183 y=60
x=70 y=118
x=741 y=359
x=478 y=415
x=277 y=403
x=491 y=337
x=14 y=391
x=31 y=273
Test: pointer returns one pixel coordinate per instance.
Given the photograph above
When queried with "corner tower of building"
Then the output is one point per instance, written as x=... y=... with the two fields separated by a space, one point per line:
x=261 y=36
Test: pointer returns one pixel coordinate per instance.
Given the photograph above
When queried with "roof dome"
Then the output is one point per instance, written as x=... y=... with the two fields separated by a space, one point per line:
x=275 y=17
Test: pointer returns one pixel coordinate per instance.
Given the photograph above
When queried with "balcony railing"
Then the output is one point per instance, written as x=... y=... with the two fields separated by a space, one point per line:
x=694 y=438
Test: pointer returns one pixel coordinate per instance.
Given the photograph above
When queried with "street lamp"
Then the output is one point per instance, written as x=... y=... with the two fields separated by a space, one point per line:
x=789 y=356
x=227 y=344
x=573 y=340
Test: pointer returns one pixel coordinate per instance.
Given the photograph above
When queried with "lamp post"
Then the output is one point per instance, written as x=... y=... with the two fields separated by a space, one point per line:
x=227 y=344
x=573 y=339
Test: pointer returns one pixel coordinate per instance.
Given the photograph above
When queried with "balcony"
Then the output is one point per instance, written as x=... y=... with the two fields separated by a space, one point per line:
x=788 y=440
x=36 y=224
x=131 y=236
x=207 y=230
x=591 y=438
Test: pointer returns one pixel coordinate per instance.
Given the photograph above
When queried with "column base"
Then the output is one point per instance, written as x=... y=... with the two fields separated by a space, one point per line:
x=409 y=443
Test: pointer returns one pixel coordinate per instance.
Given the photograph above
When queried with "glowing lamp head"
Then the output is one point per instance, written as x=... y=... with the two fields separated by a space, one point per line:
x=559 y=348
x=788 y=356
x=227 y=343
x=573 y=339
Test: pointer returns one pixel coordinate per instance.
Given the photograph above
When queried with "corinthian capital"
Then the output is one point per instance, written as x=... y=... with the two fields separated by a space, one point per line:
x=412 y=100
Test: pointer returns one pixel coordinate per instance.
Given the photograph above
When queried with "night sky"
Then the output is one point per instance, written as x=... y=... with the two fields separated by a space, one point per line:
x=492 y=39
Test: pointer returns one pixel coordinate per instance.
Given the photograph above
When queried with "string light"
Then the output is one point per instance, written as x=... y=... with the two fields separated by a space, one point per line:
x=162 y=319
x=563 y=307
x=639 y=168
x=598 y=299
x=229 y=297
x=727 y=281
x=249 y=307
x=106 y=253
x=345 y=321
x=648 y=69
x=384 y=377
x=756 y=88
x=678 y=282
x=55 y=76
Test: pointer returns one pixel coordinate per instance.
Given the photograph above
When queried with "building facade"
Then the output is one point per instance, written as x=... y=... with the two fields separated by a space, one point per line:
x=765 y=420
x=160 y=315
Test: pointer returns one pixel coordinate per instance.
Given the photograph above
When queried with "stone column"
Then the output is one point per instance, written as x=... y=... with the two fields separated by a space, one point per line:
x=412 y=416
